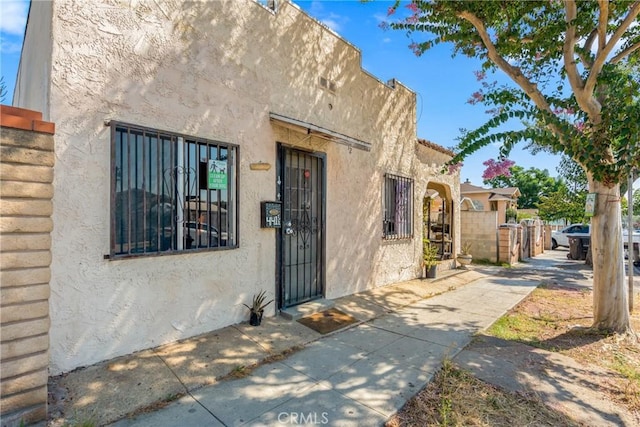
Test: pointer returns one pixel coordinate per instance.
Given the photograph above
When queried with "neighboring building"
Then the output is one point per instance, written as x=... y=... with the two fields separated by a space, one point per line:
x=174 y=122
x=489 y=199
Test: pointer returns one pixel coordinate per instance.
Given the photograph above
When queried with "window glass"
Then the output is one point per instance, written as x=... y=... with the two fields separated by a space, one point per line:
x=171 y=192
x=398 y=207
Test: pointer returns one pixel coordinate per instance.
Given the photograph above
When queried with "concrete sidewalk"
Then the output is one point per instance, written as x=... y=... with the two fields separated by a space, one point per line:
x=145 y=380
x=290 y=374
x=362 y=375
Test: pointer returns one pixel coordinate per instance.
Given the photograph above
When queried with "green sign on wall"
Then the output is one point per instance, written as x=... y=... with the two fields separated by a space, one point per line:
x=217 y=176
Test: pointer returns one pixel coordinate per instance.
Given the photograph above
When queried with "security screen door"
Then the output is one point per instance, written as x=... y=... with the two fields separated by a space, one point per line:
x=301 y=184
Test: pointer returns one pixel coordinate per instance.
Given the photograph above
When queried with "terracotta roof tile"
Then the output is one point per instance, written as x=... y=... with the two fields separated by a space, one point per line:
x=436 y=147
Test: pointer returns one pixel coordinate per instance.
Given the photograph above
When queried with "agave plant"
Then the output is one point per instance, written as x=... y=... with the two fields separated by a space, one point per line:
x=257 y=308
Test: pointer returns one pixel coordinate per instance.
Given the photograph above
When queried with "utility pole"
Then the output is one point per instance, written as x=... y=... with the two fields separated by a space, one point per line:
x=630 y=251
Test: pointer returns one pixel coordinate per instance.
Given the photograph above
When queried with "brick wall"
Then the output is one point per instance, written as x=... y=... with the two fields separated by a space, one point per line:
x=537 y=238
x=509 y=246
x=479 y=228
x=26 y=176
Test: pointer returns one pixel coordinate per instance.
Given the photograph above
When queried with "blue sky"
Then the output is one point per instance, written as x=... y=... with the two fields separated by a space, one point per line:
x=443 y=84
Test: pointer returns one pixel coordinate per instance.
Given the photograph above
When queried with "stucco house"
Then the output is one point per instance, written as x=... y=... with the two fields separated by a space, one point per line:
x=489 y=199
x=206 y=151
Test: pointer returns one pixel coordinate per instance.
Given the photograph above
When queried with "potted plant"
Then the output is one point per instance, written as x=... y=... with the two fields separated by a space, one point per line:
x=429 y=258
x=511 y=215
x=465 y=257
x=257 y=308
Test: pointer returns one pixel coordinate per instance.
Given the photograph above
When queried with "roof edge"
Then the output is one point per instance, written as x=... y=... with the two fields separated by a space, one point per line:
x=436 y=147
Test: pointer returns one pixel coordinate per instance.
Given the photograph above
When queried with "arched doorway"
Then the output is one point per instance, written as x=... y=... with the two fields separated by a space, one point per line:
x=438 y=218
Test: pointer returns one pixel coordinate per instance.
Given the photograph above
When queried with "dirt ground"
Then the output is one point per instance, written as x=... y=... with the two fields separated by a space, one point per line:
x=556 y=318
x=563 y=316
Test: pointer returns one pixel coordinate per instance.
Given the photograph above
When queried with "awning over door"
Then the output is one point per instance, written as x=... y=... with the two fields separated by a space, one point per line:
x=319 y=131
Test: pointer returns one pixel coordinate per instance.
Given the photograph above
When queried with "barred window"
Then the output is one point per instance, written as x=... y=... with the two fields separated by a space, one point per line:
x=398 y=207
x=170 y=192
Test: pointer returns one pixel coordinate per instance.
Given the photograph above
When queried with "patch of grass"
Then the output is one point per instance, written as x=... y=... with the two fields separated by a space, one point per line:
x=625 y=366
x=239 y=371
x=456 y=398
x=485 y=261
x=84 y=423
x=516 y=327
x=558 y=318
x=156 y=406
x=172 y=396
x=242 y=371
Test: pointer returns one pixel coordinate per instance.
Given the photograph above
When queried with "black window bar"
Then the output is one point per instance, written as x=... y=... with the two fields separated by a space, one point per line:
x=163 y=196
x=398 y=207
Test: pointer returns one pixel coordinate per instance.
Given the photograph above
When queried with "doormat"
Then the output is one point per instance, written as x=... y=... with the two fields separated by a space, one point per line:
x=327 y=321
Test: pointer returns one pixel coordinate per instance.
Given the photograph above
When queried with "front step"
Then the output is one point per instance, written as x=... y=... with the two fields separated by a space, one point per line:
x=306 y=309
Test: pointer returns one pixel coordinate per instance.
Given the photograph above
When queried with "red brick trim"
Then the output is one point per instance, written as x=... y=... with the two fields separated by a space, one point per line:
x=20 y=118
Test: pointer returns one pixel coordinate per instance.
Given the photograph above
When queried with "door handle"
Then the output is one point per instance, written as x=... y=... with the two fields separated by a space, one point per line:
x=288 y=229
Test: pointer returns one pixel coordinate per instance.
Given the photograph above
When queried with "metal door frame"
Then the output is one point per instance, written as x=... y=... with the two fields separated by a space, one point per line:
x=283 y=149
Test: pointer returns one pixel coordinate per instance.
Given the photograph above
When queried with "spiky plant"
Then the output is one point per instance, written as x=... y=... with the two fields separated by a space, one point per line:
x=258 y=302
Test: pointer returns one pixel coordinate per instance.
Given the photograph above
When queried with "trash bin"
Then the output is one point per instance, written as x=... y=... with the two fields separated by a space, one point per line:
x=577 y=248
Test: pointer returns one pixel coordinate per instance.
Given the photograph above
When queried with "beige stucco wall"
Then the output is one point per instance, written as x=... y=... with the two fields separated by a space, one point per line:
x=502 y=205
x=213 y=70
x=480 y=229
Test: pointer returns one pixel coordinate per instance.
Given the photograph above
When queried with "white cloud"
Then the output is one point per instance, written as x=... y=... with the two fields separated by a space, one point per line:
x=331 y=24
x=386 y=40
x=8 y=48
x=13 y=16
x=381 y=17
x=316 y=8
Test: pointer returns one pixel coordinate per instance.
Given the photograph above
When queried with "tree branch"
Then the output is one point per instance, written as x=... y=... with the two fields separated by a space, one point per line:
x=601 y=56
x=531 y=89
x=588 y=44
x=628 y=51
x=603 y=20
x=585 y=99
x=586 y=61
x=514 y=72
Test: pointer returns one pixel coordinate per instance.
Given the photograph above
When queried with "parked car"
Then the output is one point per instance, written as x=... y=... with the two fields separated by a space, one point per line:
x=199 y=235
x=561 y=237
x=635 y=234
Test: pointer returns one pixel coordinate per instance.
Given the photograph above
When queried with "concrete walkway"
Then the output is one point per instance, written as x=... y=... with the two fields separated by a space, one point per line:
x=364 y=374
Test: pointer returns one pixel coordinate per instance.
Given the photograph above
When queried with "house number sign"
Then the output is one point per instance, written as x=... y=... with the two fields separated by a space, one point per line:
x=271 y=214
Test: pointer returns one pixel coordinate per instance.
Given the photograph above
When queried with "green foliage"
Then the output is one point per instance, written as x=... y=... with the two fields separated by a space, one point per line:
x=524 y=215
x=511 y=213
x=429 y=253
x=568 y=201
x=532 y=183
x=562 y=204
x=258 y=304
x=572 y=93
x=573 y=175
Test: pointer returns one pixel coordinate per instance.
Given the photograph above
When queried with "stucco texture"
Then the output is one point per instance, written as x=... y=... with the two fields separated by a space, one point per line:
x=214 y=70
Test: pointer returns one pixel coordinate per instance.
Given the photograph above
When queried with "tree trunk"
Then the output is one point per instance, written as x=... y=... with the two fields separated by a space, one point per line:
x=610 y=299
